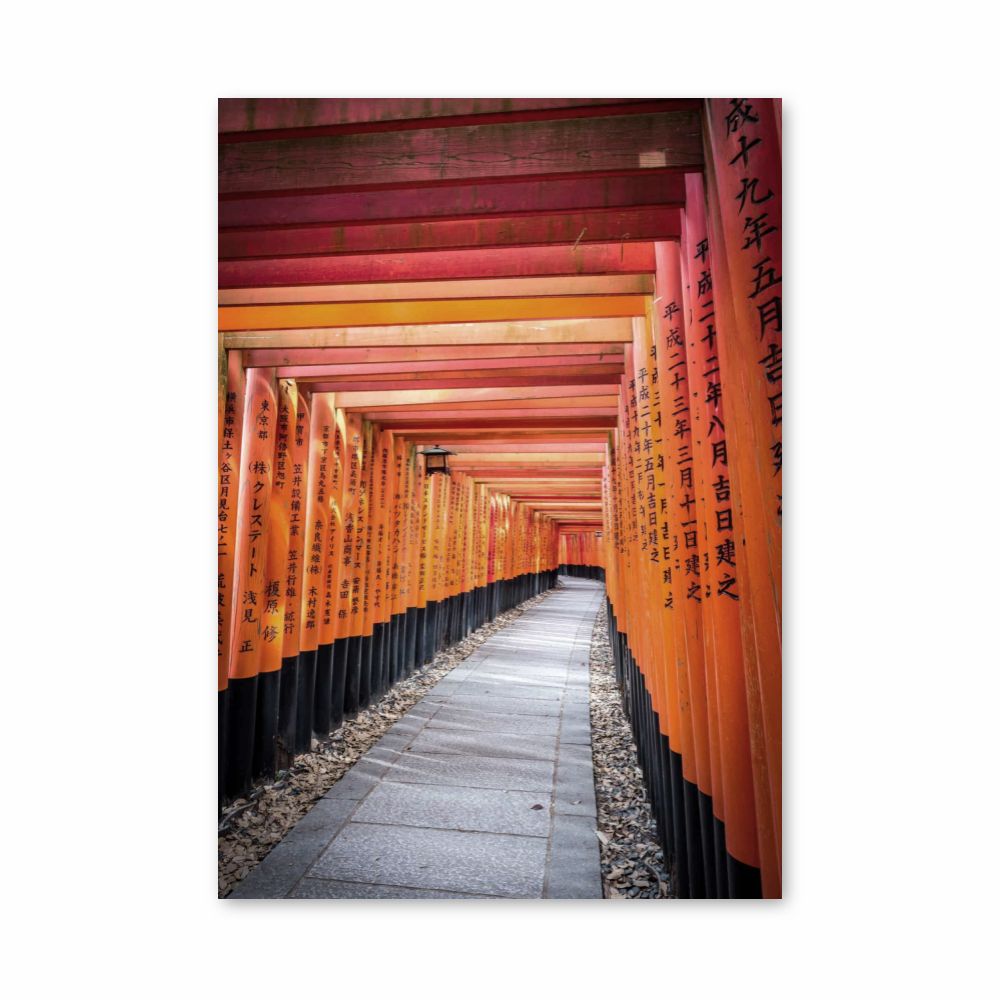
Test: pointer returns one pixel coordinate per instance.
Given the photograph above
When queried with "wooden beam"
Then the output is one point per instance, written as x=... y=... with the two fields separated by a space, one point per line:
x=591 y=226
x=469 y=367
x=245 y=114
x=465 y=353
x=457 y=201
x=483 y=411
x=517 y=458
x=581 y=423
x=551 y=406
x=522 y=149
x=329 y=314
x=450 y=381
x=436 y=265
x=574 y=331
x=482 y=288
x=373 y=400
x=539 y=374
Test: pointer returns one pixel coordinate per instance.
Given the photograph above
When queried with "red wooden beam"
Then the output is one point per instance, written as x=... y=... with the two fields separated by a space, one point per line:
x=502 y=262
x=356 y=385
x=263 y=114
x=457 y=201
x=583 y=423
x=549 y=375
x=522 y=149
x=515 y=411
x=370 y=400
x=593 y=226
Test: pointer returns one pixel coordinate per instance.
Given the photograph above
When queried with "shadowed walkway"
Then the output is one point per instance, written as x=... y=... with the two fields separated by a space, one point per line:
x=484 y=789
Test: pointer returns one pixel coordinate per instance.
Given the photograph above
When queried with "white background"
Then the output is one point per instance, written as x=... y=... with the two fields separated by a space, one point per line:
x=108 y=244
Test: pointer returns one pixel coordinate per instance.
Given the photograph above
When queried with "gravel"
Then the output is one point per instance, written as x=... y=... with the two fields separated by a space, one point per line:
x=251 y=826
x=632 y=864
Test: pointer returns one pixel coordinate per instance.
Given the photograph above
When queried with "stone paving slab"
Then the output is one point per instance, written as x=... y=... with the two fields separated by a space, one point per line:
x=484 y=789
x=447 y=807
x=492 y=722
x=504 y=705
x=529 y=746
x=489 y=863
x=475 y=772
x=324 y=888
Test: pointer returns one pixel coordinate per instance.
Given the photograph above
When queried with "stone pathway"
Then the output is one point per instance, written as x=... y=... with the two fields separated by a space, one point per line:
x=484 y=789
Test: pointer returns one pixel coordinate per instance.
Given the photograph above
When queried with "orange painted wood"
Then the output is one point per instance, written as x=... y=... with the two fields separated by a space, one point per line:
x=744 y=795
x=273 y=597
x=232 y=397
x=482 y=288
x=298 y=494
x=350 y=314
x=553 y=331
x=744 y=201
x=257 y=466
x=317 y=521
x=332 y=572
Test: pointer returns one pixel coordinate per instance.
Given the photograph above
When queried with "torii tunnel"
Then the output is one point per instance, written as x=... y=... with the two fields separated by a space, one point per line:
x=581 y=301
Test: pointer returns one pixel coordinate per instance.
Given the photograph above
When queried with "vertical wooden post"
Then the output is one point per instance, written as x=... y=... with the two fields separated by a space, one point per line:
x=734 y=800
x=273 y=611
x=743 y=175
x=257 y=462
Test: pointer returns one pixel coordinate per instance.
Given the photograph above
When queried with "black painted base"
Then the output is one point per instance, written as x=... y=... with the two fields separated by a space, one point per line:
x=288 y=697
x=338 y=683
x=241 y=720
x=304 y=701
x=265 y=721
x=693 y=838
x=266 y=731
x=588 y=572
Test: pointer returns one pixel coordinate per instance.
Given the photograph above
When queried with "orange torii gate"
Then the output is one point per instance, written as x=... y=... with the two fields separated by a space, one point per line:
x=595 y=339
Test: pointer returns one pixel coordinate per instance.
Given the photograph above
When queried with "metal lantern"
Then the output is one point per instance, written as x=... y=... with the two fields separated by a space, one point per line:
x=436 y=460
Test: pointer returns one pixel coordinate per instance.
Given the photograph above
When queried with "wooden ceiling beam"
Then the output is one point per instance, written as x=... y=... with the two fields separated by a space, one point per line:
x=428 y=311
x=465 y=353
x=472 y=288
x=653 y=189
x=583 y=227
x=520 y=149
x=440 y=265
x=567 y=331
x=250 y=119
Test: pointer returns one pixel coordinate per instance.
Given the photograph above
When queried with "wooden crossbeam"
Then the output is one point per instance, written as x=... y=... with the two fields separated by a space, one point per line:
x=591 y=226
x=522 y=149
x=456 y=201
x=450 y=380
x=371 y=400
x=571 y=331
x=306 y=373
x=476 y=288
x=463 y=353
x=437 y=265
x=247 y=118
x=347 y=314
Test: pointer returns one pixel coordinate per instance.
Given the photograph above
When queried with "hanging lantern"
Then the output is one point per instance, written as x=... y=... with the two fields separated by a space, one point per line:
x=436 y=460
